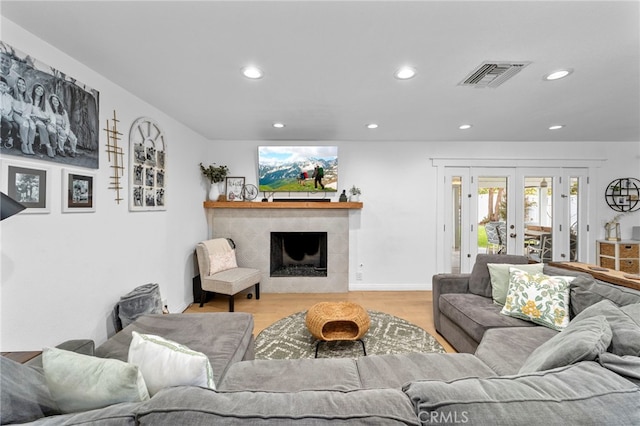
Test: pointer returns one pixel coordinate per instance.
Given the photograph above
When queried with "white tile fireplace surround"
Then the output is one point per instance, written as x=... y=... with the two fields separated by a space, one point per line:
x=251 y=229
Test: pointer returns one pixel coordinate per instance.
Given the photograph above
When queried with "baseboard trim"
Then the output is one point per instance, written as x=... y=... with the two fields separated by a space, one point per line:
x=389 y=287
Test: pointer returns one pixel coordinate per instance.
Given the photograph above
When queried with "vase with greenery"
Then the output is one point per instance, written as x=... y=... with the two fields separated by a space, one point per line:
x=216 y=175
x=354 y=192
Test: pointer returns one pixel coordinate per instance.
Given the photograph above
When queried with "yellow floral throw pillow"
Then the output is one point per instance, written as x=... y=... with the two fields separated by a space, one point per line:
x=538 y=298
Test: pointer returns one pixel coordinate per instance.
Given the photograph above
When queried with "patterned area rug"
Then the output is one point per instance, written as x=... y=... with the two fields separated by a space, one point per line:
x=290 y=339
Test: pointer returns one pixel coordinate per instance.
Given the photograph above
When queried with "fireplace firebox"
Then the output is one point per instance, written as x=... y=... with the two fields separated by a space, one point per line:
x=298 y=254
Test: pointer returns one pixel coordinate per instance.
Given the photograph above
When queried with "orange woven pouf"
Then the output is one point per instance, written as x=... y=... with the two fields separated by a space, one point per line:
x=328 y=321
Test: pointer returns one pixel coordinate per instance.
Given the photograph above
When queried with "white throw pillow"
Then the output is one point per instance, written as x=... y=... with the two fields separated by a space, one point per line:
x=164 y=363
x=219 y=262
x=80 y=382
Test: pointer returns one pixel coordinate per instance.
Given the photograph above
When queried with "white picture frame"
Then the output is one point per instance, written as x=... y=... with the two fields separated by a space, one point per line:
x=78 y=191
x=29 y=184
x=147 y=166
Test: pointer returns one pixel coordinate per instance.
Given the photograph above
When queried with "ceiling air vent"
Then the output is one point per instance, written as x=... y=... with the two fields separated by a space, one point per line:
x=492 y=74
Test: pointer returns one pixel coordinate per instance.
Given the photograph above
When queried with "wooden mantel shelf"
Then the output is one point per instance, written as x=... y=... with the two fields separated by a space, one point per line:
x=280 y=205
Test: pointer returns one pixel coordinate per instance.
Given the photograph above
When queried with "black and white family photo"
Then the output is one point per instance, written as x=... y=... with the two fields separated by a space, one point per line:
x=46 y=114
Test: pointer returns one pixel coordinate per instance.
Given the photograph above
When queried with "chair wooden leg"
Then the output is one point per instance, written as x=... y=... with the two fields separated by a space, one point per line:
x=231 y=299
x=257 y=290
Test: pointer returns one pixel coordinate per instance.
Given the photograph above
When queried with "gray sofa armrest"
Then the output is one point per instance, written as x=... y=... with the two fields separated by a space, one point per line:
x=447 y=283
x=80 y=346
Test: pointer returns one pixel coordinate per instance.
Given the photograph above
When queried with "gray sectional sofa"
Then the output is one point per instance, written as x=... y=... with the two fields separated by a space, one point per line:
x=485 y=386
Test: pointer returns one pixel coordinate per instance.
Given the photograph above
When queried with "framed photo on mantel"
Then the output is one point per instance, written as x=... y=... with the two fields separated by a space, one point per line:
x=233 y=188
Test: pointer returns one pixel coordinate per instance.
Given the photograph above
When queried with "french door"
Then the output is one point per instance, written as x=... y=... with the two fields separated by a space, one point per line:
x=534 y=211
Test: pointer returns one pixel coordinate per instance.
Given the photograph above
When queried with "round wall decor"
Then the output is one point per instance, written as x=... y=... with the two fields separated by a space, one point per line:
x=623 y=195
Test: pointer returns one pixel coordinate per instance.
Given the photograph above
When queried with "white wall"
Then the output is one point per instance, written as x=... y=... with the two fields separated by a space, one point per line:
x=62 y=273
x=393 y=236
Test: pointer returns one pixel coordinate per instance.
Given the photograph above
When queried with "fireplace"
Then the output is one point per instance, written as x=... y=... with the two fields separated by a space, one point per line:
x=251 y=230
x=298 y=254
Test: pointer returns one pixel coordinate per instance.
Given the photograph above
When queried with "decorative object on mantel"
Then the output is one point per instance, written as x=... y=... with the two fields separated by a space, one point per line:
x=216 y=175
x=355 y=193
x=147 y=160
x=343 y=197
x=233 y=188
x=623 y=195
x=612 y=228
x=249 y=192
x=115 y=156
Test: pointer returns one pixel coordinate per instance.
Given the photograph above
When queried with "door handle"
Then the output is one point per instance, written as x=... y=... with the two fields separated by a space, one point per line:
x=513 y=235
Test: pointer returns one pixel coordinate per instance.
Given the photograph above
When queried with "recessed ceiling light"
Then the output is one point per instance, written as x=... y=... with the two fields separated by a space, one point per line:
x=405 y=73
x=278 y=125
x=556 y=75
x=252 y=72
x=465 y=126
x=556 y=127
x=372 y=126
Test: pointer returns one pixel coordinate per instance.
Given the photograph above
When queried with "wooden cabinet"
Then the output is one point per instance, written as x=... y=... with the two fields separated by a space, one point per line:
x=619 y=255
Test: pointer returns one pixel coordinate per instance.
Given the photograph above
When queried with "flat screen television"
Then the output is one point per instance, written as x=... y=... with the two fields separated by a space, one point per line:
x=298 y=168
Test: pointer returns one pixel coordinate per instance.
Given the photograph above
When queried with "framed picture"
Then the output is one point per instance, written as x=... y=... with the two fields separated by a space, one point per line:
x=147 y=166
x=233 y=188
x=28 y=185
x=62 y=95
x=622 y=200
x=78 y=192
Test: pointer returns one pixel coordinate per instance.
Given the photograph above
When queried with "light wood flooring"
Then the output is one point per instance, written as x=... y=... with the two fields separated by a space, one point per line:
x=412 y=306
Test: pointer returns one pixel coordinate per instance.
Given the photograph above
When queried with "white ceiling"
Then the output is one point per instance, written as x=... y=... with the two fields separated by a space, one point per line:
x=329 y=65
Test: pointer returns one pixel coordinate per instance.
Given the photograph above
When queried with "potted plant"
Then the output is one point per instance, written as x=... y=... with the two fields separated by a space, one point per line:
x=355 y=193
x=216 y=175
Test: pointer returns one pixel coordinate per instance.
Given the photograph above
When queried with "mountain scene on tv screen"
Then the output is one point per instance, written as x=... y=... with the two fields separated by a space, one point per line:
x=297 y=176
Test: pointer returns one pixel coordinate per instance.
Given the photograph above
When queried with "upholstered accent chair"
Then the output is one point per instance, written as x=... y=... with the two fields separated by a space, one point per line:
x=220 y=273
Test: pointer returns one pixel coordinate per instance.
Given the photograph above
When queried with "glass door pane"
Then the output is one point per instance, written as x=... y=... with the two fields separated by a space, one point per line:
x=492 y=214
x=574 y=210
x=456 y=220
x=538 y=218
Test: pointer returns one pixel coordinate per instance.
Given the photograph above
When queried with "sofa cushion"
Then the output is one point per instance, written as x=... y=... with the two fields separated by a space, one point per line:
x=224 y=337
x=480 y=280
x=624 y=323
x=582 y=340
x=24 y=395
x=538 y=298
x=587 y=291
x=505 y=350
x=165 y=363
x=80 y=382
x=558 y=396
x=476 y=314
x=500 y=272
x=198 y=406
x=627 y=366
x=292 y=375
x=393 y=371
